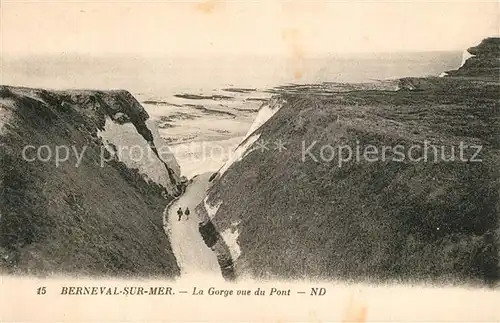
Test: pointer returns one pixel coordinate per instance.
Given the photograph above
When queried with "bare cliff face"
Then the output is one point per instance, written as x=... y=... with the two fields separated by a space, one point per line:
x=420 y=212
x=74 y=199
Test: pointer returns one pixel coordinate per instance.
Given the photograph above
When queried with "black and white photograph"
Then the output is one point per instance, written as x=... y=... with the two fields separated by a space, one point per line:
x=268 y=156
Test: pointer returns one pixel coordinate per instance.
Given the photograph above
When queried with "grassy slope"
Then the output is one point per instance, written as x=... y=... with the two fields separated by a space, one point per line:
x=371 y=220
x=79 y=220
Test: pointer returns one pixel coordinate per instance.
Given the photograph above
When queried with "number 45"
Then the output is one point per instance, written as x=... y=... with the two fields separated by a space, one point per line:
x=41 y=290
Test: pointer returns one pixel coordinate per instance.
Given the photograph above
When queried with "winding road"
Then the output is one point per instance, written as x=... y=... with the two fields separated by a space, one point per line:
x=192 y=254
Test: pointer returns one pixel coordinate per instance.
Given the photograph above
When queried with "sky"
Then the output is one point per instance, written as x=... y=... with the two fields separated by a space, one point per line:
x=296 y=28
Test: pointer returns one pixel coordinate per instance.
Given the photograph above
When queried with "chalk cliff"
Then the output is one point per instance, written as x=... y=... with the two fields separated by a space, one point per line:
x=95 y=211
x=483 y=61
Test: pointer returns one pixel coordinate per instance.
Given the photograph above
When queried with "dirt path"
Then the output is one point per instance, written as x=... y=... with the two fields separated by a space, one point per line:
x=193 y=255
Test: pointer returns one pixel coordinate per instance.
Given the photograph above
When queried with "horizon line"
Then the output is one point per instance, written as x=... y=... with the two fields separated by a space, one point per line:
x=6 y=54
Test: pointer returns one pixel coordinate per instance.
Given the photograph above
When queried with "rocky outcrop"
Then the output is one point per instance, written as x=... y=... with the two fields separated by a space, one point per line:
x=484 y=61
x=480 y=65
x=69 y=203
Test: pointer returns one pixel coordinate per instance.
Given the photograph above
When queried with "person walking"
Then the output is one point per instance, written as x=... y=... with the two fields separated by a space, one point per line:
x=187 y=213
x=179 y=213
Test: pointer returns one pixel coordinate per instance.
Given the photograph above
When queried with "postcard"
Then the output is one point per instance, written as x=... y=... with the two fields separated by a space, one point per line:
x=249 y=161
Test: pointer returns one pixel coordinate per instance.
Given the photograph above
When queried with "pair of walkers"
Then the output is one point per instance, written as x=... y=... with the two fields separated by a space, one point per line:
x=180 y=213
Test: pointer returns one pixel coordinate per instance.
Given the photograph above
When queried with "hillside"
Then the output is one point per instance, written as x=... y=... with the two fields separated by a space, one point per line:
x=296 y=213
x=96 y=212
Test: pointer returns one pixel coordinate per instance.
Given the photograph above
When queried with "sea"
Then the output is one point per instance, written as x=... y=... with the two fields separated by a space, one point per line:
x=207 y=103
